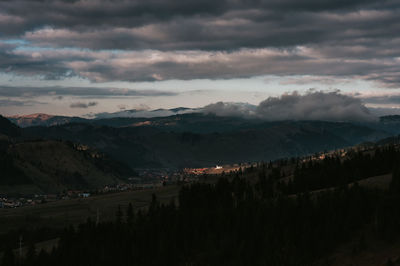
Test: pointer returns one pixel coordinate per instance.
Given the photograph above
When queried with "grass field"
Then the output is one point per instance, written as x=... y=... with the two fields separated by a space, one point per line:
x=74 y=211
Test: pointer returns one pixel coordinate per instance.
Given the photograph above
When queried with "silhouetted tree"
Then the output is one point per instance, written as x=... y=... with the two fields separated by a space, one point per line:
x=8 y=258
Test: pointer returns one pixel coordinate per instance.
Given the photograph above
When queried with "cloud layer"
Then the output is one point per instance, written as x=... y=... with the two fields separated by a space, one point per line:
x=317 y=105
x=149 y=65
x=120 y=40
x=59 y=91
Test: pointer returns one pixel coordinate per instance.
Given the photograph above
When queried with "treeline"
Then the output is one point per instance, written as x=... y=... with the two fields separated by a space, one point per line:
x=332 y=171
x=236 y=222
x=335 y=171
x=226 y=224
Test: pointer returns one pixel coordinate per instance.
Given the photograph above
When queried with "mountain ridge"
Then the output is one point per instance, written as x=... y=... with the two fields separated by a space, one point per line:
x=36 y=165
x=198 y=140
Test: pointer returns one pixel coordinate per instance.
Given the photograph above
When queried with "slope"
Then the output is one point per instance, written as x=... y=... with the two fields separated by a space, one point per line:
x=51 y=166
x=196 y=141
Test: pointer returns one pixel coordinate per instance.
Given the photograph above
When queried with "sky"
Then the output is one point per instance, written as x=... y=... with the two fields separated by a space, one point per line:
x=82 y=57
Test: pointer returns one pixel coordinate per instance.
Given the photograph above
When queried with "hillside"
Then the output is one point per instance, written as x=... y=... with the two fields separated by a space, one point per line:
x=248 y=217
x=8 y=129
x=332 y=210
x=50 y=166
x=195 y=140
x=54 y=166
x=176 y=119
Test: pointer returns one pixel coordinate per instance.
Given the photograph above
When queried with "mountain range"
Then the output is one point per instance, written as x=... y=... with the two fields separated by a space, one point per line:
x=55 y=153
x=197 y=140
x=194 y=139
x=40 y=119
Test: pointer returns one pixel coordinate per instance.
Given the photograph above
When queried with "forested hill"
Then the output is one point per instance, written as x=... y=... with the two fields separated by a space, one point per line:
x=40 y=166
x=294 y=212
x=8 y=129
x=196 y=140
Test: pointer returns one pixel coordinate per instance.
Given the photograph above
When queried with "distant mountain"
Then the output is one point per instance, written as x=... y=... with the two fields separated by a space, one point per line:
x=49 y=166
x=191 y=122
x=179 y=119
x=390 y=119
x=146 y=113
x=44 y=120
x=390 y=123
x=194 y=140
x=40 y=119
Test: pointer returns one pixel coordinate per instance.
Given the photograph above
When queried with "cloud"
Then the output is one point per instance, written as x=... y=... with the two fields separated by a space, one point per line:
x=59 y=97
x=122 y=106
x=119 y=40
x=20 y=16
x=150 y=65
x=9 y=102
x=141 y=107
x=314 y=105
x=138 y=107
x=83 y=105
x=233 y=29
x=59 y=91
x=384 y=99
x=318 y=105
x=144 y=111
x=231 y=109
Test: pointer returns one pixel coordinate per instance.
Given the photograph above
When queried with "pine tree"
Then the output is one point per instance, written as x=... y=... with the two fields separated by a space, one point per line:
x=8 y=258
x=395 y=183
x=31 y=253
x=130 y=215
x=119 y=215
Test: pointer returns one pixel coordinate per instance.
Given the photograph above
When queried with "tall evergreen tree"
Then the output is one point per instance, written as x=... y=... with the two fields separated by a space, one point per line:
x=8 y=258
x=130 y=215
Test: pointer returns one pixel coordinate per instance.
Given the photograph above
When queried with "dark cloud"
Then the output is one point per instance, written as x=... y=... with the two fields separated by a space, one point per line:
x=113 y=40
x=331 y=106
x=9 y=102
x=29 y=15
x=83 y=105
x=58 y=97
x=314 y=105
x=231 y=109
x=234 y=29
x=150 y=65
x=194 y=24
x=93 y=92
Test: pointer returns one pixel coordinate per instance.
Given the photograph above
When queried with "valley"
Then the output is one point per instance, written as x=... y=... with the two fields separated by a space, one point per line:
x=199 y=133
x=58 y=199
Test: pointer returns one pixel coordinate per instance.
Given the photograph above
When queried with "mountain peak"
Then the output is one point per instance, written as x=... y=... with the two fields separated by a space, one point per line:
x=40 y=116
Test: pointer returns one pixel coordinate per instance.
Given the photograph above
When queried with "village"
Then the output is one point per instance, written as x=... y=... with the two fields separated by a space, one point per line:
x=146 y=180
